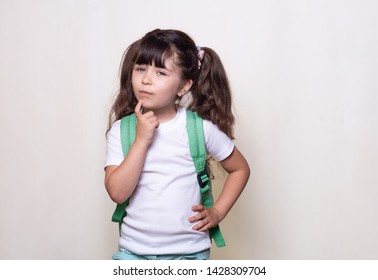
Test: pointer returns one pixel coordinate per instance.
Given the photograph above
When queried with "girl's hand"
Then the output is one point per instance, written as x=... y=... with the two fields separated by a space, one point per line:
x=207 y=217
x=146 y=124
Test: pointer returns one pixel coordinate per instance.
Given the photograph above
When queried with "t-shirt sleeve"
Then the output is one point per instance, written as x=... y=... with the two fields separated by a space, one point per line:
x=114 y=155
x=218 y=144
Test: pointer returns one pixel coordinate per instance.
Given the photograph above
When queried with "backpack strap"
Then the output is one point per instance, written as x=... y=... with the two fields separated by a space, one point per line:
x=197 y=145
x=128 y=134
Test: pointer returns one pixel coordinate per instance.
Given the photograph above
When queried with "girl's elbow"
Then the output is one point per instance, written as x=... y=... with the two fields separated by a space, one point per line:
x=248 y=171
x=115 y=195
x=117 y=199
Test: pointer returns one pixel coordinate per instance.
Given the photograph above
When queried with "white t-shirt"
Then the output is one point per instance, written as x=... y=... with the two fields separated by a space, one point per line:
x=159 y=209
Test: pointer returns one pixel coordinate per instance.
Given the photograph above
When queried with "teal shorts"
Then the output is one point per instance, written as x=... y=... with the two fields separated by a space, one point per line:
x=127 y=255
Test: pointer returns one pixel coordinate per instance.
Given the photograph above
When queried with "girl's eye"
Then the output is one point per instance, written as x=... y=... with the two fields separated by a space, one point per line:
x=140 y=68
x=161 y=73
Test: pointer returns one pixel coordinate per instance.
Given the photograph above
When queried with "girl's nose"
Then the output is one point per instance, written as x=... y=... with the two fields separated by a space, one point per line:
x=146 y=79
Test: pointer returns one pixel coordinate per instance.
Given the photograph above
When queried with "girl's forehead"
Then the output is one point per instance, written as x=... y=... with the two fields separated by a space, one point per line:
x=172 y=64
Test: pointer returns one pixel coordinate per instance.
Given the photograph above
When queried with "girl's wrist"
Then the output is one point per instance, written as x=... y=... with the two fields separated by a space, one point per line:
x=141 y=144
x=220 y=214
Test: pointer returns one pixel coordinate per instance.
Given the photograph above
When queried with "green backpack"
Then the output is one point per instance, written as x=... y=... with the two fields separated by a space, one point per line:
x=194 y=125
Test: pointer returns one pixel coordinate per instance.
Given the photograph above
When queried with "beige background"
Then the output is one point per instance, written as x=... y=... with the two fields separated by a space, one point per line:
x=305 y=81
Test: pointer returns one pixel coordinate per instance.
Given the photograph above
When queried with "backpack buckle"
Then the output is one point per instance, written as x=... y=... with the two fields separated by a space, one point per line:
x=203 y=180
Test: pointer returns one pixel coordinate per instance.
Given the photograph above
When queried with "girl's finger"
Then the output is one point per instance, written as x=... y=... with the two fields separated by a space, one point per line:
x=202 y=226
x=138 y=108
x=198 y=208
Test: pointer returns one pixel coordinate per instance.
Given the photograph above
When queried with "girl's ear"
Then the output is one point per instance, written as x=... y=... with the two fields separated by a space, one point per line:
x=185 y=88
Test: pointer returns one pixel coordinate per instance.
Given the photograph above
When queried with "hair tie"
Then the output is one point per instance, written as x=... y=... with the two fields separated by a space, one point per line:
x=200 y=55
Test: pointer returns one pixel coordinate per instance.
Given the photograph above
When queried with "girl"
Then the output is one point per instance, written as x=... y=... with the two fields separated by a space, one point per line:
x=165 y=219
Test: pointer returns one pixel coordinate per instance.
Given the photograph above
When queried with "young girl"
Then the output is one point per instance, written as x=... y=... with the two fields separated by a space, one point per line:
x=165 y=219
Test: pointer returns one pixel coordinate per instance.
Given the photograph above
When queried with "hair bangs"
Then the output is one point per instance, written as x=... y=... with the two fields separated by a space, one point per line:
x=153 y=51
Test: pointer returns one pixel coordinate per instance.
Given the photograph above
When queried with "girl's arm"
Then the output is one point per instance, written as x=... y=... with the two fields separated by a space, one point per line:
x=120 y=181
x=238 y=174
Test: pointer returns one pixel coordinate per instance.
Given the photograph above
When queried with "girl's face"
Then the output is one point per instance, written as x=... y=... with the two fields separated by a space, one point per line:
x=159 y=88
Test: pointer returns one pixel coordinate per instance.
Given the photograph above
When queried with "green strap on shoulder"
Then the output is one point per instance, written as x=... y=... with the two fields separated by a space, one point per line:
x=198 y=152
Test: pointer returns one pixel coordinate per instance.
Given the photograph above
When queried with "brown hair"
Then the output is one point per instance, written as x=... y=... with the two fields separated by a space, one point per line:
x=211 y=94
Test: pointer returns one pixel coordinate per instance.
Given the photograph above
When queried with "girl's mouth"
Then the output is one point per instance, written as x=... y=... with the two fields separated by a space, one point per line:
x=145 y=93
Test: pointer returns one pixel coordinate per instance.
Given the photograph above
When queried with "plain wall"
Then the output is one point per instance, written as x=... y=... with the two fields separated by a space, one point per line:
x=304 y=75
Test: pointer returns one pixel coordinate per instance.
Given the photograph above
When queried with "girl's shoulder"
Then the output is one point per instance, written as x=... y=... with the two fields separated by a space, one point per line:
x=115 y=129
x=116 y=124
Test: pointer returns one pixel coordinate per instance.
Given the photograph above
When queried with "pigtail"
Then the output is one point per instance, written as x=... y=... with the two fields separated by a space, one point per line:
x=211 y=94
